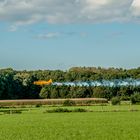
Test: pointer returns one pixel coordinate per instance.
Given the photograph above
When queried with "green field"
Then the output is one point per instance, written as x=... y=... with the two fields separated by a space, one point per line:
x=105 y=123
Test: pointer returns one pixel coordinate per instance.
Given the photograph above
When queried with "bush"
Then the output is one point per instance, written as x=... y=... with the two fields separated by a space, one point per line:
x=57 y=110
x=115 y=101
x=135 y=98
x=69 y=103
x=12 y=111
x=63 y=110
x=80 y=110
x=38 y=105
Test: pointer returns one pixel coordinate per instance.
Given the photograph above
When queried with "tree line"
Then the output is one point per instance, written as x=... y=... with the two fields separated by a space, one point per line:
x=19 y=84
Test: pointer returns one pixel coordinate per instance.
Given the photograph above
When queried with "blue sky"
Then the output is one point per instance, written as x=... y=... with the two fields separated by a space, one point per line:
x=60 y=40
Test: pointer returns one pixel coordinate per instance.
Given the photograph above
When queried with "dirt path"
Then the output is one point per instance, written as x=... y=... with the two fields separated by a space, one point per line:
x=45 y=100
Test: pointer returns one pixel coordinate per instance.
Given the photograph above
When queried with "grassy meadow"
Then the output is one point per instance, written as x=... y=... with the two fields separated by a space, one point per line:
x=103 y=123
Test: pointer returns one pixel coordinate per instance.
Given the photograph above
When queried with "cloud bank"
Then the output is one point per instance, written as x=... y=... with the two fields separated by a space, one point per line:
x=24 y=12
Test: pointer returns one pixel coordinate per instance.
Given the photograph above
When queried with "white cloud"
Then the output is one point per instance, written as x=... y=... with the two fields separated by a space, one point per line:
x=49 y=35
x=136 y=3
x=13 y=28
x=136 y=8
x=53 y=35
x=22 y=12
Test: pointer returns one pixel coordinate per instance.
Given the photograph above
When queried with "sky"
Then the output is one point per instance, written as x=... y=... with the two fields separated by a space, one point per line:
x=59 y=34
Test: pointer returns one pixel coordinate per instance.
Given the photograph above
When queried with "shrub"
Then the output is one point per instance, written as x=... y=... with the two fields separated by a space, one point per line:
x=115 y=100
x=80 y=110
x=12 y=111
x=38 y=105
x=63 y=110
x=69 y=103
x=58 y=110
x=135 y=98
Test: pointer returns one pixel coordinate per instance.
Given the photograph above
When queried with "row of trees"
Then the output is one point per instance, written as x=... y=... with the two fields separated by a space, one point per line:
x=87 y=74
x=86 y=92
x=19 y=84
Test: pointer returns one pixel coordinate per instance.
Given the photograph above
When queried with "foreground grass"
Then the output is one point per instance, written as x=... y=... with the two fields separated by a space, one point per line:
x=35 y=125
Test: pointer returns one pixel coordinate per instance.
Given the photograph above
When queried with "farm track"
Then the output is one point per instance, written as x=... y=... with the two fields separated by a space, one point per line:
x=78 y=101
x=45 y=100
